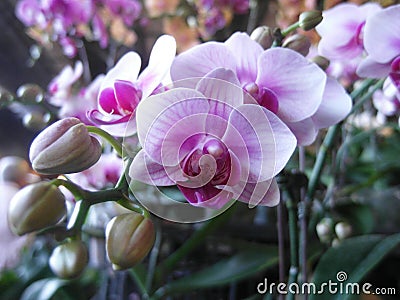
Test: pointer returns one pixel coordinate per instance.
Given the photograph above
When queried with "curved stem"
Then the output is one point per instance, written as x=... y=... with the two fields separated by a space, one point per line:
x=290 y=29
x=125 y=202
x=108 y=137
x=76 y=190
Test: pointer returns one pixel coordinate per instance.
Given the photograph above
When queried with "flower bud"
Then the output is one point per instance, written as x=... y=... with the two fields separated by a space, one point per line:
x=263 y=35
x=5 y=97
x=343 y=230
x=36 y=120
x=68 y=260
x=298 y=43
x=35 y=207
x=321 y=62
x=324 y=230
x=129 y=238
x=64 y=147
x=310 y=19
x=14 y=169
x=30 y=93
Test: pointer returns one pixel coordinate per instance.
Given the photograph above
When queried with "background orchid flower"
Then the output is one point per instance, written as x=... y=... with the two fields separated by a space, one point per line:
x=122 y=88
x=341 y=30
x=387 y=100
x=274 y=77
x=382 y=43
x=210 y=144
x=60 y=88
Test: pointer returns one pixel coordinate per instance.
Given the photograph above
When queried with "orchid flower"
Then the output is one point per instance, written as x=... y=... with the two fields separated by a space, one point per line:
x=274 y=77
x=341 y=30
x=382 y=43
x=211 y=144
x=387 y=100
x=122 y=88
x=60 y=88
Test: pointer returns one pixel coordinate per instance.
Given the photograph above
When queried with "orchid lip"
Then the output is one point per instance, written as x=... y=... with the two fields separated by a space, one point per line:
x=91 y=115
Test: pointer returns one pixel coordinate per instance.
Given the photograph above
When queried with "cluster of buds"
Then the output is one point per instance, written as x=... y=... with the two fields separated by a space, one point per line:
x=67 y=147
x=330 y=232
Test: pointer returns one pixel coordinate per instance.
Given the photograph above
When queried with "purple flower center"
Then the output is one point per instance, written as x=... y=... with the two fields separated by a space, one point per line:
x=264 y=96
x=206 y=166
x=120 y=100
x=395 y=72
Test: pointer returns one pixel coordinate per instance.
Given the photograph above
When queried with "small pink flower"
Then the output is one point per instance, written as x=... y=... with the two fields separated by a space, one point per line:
x=341 y=30
x=122 y=88
x=382 y=43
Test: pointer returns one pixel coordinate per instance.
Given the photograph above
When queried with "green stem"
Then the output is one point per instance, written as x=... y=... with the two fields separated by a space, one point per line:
x=333 y=130
x=293 y=234
x=76 y=190
x=108 y=137
x=139 y=282
x=290 y=29
x=128 y=204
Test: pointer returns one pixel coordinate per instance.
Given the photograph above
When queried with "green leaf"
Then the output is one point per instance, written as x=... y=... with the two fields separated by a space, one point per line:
x=43 y=289
x=238 y=267
x=356 y=257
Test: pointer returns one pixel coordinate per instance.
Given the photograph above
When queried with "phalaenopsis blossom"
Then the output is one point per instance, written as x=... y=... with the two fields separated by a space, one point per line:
x=275 y=78
x=213 y=141
x=122 y=89
x=342 y=28
x=72 y=99
x=382 y=44
x=68 y=21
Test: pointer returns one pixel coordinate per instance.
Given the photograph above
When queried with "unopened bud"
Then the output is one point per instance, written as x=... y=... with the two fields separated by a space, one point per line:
x=5 y=97
x=263 y=35
x=129 y=238
x=68 y=260
x=36 y=120
x=14 y=169
x=64 y=147
x=321 y=61
x=298 y=43
x=324 y=229
x=310 y=19
x=35 y=207
x=343 y=230
x=30 y=93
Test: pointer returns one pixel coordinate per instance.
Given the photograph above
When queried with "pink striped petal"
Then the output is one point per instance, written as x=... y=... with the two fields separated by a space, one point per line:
x=282 y=71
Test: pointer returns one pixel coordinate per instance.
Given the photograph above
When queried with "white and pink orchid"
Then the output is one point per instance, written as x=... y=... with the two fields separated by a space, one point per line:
x=123 y=89
x=211 y=144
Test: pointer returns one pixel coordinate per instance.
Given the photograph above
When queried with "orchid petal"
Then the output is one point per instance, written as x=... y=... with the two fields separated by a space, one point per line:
x=247 y=52
x=107 y=101
x=145 y=170
x=335 y=106
x=382 y=35
x=201 y=59
x=149 y=108
x=161 y=57
x=282 y=71
x=370 y=68
x=127 y=68
x=305 y=131
x=126 y=95
x=221 y=84
x=264 y=193
x=207 y=196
